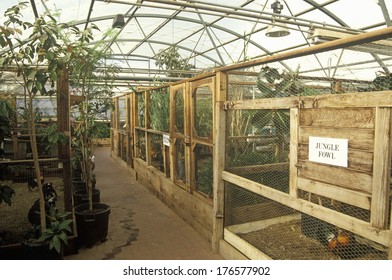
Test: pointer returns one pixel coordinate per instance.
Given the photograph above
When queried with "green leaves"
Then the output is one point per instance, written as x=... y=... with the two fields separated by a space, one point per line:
x=54 y=136
x=56 y=234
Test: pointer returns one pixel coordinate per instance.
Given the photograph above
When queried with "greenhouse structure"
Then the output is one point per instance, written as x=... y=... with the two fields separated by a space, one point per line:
x=265 y=125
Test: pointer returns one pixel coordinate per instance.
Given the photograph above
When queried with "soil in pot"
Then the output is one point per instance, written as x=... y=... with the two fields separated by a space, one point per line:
x=92 y=226
x=81 y=196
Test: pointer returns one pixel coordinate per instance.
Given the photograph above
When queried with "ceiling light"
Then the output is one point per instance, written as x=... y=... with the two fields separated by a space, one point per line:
x=118 y=21
x=274 y=30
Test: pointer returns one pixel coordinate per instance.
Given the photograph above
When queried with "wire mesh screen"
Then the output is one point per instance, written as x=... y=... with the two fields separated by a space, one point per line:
x=203 y=169
x=258 y=146
x=203 y=112
x=178 y=111
x=18 y=214
x=140 y=144
x=159 y=109
x=283 y=233
x=156 y=151
x=141 y=109
x=179 y=159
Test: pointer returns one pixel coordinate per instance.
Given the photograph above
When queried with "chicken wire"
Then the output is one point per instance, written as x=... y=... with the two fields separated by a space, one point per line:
x=258 y=149
x=18 y=220
x=285 y=234
x=156 y=151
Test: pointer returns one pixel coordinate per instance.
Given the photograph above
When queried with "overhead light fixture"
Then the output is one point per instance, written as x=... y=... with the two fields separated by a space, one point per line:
x=118 y=21
x=273 y=29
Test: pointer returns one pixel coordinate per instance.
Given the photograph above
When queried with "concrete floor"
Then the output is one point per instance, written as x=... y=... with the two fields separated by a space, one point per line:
x=141 y=227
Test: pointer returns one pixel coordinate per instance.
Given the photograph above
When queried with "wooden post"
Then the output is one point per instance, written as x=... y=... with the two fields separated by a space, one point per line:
x=219 y=160
x=294 y=127
x=381 y=169
x=188 y=132
x=63 y=125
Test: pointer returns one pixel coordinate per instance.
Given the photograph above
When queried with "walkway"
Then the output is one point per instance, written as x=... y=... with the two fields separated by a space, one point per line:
x=141 y=227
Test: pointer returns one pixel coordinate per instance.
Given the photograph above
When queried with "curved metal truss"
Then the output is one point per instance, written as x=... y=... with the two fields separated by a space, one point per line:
x=209 y=33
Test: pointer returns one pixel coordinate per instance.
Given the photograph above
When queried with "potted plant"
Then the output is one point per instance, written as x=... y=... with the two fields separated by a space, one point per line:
x=88 y=66
x=38 y=62
x=57 y=233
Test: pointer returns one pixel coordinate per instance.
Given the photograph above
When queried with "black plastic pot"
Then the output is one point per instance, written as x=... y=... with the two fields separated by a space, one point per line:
x=81 y=196
x=34 y=250
x=78 y=185
x=91 y=226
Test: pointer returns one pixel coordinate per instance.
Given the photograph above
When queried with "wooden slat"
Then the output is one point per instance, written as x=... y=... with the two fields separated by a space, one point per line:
x=361 y=139
x=294 y=130
x=251 y=169
x=261 y=224
x=365 y=99
x=330 y=216
x=343 y=177
x=351 y=197
x=381 y=169
x=357 y=159
x=219 y=160
x=244 y=247
x=266 y=103
x=338 y=117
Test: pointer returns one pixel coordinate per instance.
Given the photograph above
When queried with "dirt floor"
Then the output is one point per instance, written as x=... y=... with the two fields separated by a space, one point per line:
x=14 y=222
x=287 y=241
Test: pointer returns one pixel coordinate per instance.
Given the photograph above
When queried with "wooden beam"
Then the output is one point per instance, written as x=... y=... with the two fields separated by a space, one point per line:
x=381 y=169
x=219 y=160
x=294 y=132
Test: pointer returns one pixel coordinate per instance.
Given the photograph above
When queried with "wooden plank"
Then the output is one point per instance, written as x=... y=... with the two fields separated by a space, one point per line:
x=219 y=160
x=357 y=159
x=351 y=197
x=381 y=169
x=363 y=99
x=251 y=169
x=228 y=252
x=294 y=135
x=266 y=103
x=338 y=117
x=244 y=247
x=261 y=224
x=361 y=139
x=340 y=220
x=338 y=176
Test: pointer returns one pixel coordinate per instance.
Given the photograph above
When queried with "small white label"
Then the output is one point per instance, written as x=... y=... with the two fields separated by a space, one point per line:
x=331 y=151
x=166 y=140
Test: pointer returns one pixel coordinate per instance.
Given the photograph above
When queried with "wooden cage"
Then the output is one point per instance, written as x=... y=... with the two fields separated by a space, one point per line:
x=186 y=161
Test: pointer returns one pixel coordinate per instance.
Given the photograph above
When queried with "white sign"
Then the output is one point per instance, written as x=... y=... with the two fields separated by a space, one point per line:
x=166 y=140
x=331 y=151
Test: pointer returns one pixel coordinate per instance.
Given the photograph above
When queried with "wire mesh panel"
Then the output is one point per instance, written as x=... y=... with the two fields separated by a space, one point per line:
x=179 y=159
x=156 y=151
x=283 y=233
x=140 y=144
x=203 y=169
x=19 y=219
x=203 y=112
x=159 y=109
x=178 y=111
x=141 y=110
